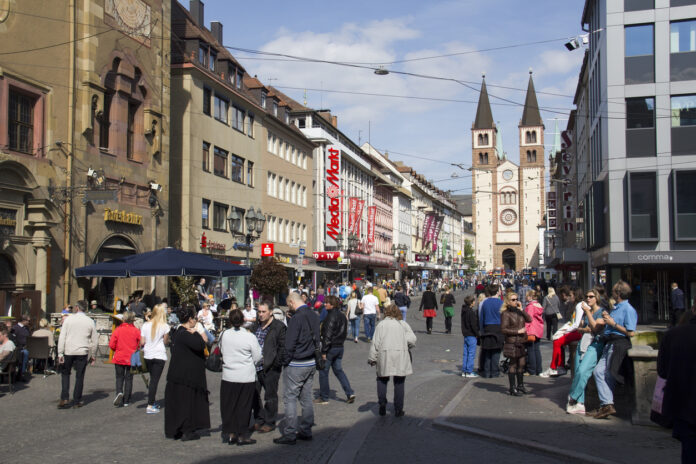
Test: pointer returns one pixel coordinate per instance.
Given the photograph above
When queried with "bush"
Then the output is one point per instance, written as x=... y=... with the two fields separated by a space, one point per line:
x=269 y=278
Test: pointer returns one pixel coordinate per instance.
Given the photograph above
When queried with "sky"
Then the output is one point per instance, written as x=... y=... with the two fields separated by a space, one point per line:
x=423 y=121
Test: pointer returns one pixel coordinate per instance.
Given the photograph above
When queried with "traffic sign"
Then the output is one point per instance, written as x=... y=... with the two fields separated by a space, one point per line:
x=302 y=251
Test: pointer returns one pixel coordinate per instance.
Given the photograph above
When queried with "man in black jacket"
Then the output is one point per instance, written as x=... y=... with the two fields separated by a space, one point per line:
x=333 y=333
x=675 y=363
x=301 y=339
x=270 y=333
x=402 y=301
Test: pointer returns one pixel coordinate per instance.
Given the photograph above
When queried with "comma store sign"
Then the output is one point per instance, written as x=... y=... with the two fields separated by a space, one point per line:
x=332 y=190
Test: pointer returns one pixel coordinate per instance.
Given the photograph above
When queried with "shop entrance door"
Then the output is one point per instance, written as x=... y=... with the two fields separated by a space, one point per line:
x=655 y=294
x=28 y=302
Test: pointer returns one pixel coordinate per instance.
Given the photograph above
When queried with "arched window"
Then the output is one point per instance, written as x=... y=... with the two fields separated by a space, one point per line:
x=480 y=158
x=485 y=158
x=528 y=137
x=529 y=156
x=534 y=156
x=534 y=139
x=480 y=140
x=485 y=139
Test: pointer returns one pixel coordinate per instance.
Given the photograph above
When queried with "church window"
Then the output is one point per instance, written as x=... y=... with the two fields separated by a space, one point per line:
x=529 y=156
x=480 y=139
x=534 y=138
x=534 y=155
x=485 y=158
x=480 y=158
x=485 y=139
x=528 y=137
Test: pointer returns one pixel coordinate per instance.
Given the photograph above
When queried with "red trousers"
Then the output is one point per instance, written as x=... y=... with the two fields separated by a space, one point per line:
x=558 y=358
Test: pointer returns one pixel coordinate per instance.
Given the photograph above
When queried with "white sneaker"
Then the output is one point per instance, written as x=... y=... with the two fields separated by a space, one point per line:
x=152 y=410
x=577 y=408
x=548 y=373
x=464 y=374
x=118 y=401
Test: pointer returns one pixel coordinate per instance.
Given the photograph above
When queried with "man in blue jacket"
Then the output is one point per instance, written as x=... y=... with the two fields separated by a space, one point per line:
x=301 y=340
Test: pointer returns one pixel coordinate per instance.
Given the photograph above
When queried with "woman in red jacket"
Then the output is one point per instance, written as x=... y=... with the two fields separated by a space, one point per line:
x=124 y=341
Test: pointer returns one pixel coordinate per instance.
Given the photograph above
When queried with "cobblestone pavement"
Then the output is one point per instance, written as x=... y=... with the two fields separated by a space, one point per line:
x=36 y=431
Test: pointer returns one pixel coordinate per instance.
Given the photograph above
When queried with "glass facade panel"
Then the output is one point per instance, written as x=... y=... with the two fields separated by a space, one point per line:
x=685 y=205
x=642 y=190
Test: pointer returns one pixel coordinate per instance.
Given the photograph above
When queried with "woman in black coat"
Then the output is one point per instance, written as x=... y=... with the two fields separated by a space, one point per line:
x=186 y=394
x=429 y=307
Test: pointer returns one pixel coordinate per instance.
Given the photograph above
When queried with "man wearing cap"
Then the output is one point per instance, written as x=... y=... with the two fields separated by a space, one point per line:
x=77 y=345
x=93 y=306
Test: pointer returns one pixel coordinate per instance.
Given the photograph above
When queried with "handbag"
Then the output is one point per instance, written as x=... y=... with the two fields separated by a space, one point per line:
x=358 y=310
x=214 y=360
x=656 y=412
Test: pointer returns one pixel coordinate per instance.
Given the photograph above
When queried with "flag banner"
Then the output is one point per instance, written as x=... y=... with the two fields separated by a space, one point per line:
x=436 y=230
x=352 y=214
x=371 y=214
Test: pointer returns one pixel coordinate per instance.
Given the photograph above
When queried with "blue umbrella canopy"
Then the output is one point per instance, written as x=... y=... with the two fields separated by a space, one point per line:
x=163 y=262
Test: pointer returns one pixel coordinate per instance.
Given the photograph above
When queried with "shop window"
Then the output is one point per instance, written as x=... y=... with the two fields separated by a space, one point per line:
x=642 y=206
x=237 y=169
x=682 y=57
x=220 y=217
x=683 y=114
x=639 y=61
x=21 y=122
x=205 y=214
x=220 y=162
x=640 y=127
x=684 y=183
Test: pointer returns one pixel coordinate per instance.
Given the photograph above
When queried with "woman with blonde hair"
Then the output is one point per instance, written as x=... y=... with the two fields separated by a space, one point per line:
x=154 y=336
x=353 y=316
x=512 y=325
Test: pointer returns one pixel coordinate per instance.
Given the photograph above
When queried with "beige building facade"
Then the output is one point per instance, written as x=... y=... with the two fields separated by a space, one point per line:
x=87 y=110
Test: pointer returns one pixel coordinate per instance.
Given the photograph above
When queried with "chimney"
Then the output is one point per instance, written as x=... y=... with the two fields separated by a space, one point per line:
x=196 y=9
x=216 y=29
x=334 y=121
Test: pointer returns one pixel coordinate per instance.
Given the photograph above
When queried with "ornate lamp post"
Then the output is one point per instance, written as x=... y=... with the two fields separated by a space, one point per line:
x=255 y=222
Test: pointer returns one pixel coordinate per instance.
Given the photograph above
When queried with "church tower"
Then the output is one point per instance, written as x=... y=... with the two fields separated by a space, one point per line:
x=532 y=186
x=484 y=162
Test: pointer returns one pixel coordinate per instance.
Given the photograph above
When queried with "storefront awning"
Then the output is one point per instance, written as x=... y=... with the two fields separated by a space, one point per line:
x=310 y=267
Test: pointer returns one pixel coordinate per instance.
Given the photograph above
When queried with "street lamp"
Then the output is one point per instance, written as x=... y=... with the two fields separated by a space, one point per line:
x=255 y=221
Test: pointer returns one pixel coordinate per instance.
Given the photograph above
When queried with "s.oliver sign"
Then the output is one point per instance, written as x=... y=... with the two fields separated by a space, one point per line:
x=332 y=189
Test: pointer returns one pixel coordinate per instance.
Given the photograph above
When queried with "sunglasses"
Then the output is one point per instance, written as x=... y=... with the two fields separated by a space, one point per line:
x=513 y=299
x=591 y=296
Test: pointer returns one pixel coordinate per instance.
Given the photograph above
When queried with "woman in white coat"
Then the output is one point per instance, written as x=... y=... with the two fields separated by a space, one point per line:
x=390 y=353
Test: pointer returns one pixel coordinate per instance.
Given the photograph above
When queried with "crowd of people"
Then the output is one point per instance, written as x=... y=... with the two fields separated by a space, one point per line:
x=590 y=332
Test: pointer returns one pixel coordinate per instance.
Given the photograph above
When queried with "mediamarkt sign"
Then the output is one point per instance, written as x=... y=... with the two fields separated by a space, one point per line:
x=332 y=188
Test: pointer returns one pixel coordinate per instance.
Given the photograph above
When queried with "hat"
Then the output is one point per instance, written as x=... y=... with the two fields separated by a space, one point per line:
x=93 y=302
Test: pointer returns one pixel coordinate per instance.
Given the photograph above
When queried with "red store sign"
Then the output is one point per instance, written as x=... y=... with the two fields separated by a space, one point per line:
x=332 y=188
x=266 y=249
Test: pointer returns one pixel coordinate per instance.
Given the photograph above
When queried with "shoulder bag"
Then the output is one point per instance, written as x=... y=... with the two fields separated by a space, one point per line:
x=214 y=360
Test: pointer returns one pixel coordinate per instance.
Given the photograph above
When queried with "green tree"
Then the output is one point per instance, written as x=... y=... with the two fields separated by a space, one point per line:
x=269 y=278
x=469 y=255
x=185 y=289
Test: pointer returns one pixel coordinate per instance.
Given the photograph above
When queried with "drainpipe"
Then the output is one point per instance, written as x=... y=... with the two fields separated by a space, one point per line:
x=67 y=248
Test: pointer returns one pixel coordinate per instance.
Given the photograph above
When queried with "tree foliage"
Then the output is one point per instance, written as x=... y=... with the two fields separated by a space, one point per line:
x=185 y=289
x=269 y=278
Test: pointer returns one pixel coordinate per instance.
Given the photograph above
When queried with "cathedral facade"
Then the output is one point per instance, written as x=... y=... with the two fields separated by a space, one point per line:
x=508 y=199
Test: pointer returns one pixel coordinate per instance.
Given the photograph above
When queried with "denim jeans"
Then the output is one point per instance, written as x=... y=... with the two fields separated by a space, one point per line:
x=297 y=382
x=155 y=367
x=491 y=363
x=333 y=360
x=355 y=327
x=24 y=353
x=534 y=357
x=469 y=354
x=80 y=365
x=124 y=381
x=369 y=325
x=603 y=378
x=583 y=370
x=403 y=310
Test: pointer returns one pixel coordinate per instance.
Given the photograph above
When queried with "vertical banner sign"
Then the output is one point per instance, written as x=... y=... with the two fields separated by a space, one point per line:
x=436 y=230
x=426 y=229
x=371 y=213
x=352 y=214
x=358 y=217
x=332 y=189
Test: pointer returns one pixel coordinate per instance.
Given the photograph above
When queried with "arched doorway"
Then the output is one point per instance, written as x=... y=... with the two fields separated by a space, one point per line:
x=509 y=259
x=108 y=288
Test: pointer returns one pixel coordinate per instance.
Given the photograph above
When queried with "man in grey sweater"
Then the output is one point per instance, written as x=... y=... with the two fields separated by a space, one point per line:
x=77 y=345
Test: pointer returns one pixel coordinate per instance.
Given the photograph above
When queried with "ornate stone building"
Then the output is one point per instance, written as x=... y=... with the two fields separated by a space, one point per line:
x=508 y=199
